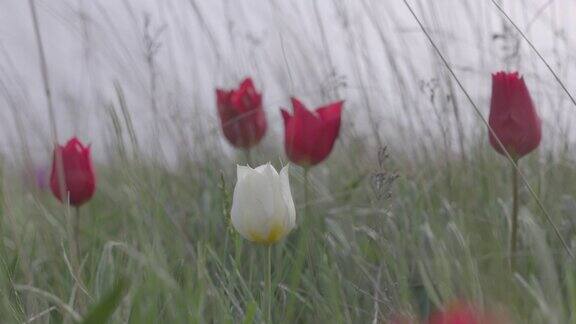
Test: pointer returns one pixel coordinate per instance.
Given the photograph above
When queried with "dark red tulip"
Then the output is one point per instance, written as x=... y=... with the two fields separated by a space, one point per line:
x=79 y=178
x=462 y=313
x=309 y=136
x=513 y=116
x=241 y=114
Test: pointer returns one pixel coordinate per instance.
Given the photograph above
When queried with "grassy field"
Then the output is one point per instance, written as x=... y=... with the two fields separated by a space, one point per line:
x=409 y=213
x=165 y=236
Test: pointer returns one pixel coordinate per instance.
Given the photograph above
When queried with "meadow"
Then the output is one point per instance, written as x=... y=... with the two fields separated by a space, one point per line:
x=408 y=215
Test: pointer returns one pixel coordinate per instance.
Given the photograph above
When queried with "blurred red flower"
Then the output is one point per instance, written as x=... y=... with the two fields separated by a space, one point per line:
x=463 y=313
x=513 y=116
x=241 y=115
x=309 y=136
x=79 y=178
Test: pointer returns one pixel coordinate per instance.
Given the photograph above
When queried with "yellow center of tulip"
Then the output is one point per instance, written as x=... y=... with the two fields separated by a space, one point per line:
x=276 y=232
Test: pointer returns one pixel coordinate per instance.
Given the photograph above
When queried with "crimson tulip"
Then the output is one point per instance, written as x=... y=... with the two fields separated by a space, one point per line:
x=513 y=117
x=516 y=129
x=309 y=136
x=462 y=313
x=79 y=180
x=241 y=115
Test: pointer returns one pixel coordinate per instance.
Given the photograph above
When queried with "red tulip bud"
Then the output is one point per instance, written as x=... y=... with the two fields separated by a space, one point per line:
x=79 y=178
x=309 y=136
x=513 y=116
x=241 y=114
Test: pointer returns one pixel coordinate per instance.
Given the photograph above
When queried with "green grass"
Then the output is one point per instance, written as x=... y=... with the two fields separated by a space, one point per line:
x=441 y=236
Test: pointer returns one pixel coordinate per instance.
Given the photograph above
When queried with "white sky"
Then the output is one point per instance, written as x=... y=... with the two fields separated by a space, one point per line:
x=258 y=37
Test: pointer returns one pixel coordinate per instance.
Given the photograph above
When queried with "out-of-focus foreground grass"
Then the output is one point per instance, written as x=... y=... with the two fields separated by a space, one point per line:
x=441 y=235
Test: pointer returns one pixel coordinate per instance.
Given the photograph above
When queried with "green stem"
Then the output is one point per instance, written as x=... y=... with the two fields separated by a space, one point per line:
x=309 y=222
x=77 y=236
x=306 y=193
x=269 y=290
x=514 y=216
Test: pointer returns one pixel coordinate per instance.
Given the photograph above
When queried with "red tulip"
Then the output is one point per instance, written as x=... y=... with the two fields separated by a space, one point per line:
x=461 y=313
x=513 y=116
x=79 y=178
x=241 y=114
x=309 y=136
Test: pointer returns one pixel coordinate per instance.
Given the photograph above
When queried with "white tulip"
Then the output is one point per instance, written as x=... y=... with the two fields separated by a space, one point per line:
x=262 y=207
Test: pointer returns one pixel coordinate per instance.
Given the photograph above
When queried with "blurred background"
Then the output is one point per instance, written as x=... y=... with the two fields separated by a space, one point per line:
x=167 y=57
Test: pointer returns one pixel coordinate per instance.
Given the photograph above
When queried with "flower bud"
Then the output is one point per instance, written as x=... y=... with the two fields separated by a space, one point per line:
x=242 y=115
x=513 y=117
x=79 y=180
x=262 y=208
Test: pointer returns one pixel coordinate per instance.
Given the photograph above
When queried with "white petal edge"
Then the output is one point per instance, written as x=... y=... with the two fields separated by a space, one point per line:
x=269 y=172
x=242 y=171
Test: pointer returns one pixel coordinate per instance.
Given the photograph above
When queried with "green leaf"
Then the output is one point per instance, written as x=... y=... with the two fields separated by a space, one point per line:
x=250 y=313
x=107 y=305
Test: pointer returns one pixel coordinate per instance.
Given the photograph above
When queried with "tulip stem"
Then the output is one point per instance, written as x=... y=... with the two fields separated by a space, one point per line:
x=306 y=193
x=77 y=235
x=514 y=216
x=269 y=290
x=309 y=221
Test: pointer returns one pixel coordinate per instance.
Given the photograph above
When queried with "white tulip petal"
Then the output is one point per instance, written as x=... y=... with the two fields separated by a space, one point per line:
x=262 y=209
x=242 y=171
x=268 y=170
x=255 y=194
x=284 y=175
x=261 y=169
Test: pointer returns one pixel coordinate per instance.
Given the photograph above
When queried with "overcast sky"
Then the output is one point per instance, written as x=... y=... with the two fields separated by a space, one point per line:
x=202 y=44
